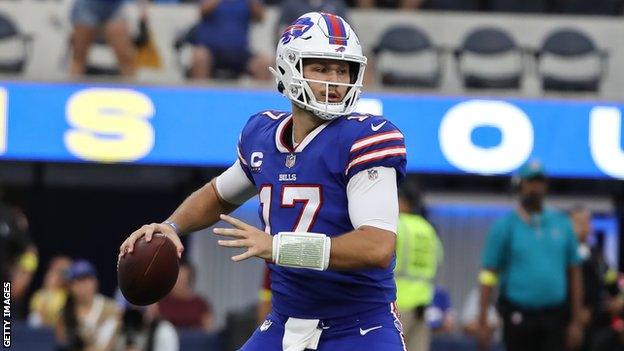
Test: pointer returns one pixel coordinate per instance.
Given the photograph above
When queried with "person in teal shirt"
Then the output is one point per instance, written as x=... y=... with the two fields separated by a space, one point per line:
x=532 y=255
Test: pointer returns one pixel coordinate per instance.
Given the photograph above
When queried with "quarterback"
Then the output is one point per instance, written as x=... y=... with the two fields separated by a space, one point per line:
x=326 y=178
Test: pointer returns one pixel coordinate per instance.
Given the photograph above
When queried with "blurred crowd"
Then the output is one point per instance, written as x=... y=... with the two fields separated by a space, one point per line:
x=70 y=303
x=217 y=46
x=220 y=39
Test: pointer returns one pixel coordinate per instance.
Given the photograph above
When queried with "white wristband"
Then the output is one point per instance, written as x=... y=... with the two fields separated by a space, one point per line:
x=302 y=250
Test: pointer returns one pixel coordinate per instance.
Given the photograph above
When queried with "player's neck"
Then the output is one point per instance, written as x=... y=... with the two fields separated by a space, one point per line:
x=303 y=123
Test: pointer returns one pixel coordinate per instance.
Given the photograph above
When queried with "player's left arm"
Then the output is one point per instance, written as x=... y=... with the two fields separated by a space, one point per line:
x=365 y=247
x=375 y=161
x=374 y=211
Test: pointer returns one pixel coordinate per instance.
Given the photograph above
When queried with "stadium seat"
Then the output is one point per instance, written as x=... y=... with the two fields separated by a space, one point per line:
x=101 y=60
x=406 y=57
x=569 y=60
x=489 y=58
x=183 y=46
x=14 y=46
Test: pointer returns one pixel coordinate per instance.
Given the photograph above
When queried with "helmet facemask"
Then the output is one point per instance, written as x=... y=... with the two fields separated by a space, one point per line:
x=300 y=92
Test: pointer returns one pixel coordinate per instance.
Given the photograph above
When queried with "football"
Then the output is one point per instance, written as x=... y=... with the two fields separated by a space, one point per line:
x=149 y=272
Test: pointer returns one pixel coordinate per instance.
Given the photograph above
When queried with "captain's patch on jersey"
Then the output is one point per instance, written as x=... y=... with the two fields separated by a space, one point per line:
x=256 y=161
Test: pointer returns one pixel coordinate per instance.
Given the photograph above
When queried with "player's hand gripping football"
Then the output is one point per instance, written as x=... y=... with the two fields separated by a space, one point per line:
x=257 y=242
x=148 y=231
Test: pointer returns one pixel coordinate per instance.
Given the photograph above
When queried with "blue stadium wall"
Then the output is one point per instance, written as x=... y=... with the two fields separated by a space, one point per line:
x=200 y=126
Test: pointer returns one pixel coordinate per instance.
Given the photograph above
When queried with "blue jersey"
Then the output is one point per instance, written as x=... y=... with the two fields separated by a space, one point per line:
x=305 y=190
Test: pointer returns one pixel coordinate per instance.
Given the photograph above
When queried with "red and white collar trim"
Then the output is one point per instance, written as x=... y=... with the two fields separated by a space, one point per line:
x=280 y=138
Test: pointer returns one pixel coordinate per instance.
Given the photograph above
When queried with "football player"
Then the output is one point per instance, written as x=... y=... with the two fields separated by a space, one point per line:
x=327 y=182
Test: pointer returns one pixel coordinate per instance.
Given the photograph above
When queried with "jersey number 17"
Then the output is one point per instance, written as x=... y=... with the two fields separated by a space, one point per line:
x=309 y=195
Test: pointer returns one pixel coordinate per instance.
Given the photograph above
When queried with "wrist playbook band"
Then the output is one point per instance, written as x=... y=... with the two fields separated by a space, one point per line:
x=302 y=250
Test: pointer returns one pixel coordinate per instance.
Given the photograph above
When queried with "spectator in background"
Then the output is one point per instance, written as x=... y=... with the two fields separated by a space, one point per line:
x=221 y=40
x=418 y=253
x=143 y=330
x=183 y=307
x=47 y=303
x=599 y=282
x=88 y=18
x=18 y=256
x=89 y=320
x=612 y=339
x=534 y=251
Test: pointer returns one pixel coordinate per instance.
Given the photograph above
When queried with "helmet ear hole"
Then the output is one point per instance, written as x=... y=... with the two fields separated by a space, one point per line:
x=280 y=86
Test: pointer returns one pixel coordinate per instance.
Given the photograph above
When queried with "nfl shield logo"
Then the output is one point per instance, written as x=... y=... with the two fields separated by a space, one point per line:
x=290 y=160
x=372 y=174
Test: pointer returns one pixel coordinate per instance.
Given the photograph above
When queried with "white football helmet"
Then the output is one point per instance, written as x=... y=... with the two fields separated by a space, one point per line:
x=318 y=35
